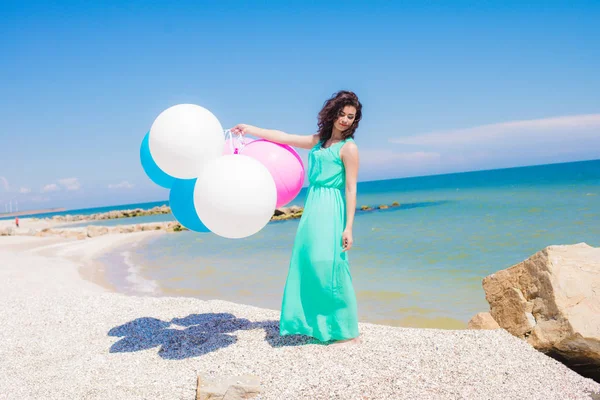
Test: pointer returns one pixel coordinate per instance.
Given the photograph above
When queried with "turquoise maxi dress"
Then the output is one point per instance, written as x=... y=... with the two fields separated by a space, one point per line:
x=319 y=298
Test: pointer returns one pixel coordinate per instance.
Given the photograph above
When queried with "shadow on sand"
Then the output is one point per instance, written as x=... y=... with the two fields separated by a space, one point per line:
x=195 y=335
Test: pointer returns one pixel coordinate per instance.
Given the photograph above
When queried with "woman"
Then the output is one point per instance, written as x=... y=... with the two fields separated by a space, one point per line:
x=319 y=298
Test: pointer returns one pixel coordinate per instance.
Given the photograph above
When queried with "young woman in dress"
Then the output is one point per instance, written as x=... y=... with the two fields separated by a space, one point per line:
x=319 y=299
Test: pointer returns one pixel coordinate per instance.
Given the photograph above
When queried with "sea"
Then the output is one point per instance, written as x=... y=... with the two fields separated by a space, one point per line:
x=419 y=264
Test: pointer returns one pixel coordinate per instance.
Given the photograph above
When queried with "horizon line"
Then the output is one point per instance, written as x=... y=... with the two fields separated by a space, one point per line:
x=63 y=209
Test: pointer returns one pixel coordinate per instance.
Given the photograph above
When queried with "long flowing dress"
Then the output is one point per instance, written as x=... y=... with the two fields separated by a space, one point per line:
x=319 y=299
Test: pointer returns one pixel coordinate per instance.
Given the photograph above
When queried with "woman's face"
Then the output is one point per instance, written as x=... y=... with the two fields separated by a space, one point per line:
x=345 y=118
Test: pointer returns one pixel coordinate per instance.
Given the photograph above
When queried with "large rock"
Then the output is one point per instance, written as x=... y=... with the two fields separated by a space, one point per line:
x=552 y=300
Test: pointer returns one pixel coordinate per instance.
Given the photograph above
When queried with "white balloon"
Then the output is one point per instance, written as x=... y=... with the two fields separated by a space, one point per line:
x=183 y=138
x=235 y=196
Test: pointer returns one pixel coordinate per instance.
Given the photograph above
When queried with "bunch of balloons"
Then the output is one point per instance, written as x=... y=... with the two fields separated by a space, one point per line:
x=229 y=186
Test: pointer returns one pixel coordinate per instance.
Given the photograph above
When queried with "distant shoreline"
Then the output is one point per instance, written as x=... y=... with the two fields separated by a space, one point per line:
x=32 y=212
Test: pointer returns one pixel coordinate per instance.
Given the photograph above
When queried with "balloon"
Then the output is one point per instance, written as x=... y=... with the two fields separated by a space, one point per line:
x=181 y=201
x=183 y=138
x=284 y=164
x=155 y=174
x=235 y=196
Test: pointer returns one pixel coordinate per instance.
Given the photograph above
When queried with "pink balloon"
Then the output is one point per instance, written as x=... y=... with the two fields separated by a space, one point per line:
x=237 y=146
x=284 y=164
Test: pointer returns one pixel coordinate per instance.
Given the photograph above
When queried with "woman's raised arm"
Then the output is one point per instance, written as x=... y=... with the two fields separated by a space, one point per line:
x=301 y=141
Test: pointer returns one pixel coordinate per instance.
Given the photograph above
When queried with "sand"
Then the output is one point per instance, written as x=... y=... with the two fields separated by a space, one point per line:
x=29 y=223
x=65 y=337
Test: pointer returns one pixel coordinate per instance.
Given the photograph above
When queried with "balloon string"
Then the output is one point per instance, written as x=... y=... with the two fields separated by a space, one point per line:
x=229 y=135
x=241 y=143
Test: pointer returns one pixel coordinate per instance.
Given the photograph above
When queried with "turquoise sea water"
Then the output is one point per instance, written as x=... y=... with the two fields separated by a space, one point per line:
x=420 y=264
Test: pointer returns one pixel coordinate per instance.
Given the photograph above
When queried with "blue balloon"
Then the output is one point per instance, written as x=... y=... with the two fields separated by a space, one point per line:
x=181 y=201
x=155 y=174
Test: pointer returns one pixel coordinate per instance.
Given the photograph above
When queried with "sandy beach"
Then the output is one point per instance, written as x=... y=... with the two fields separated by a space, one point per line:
x=65 y=336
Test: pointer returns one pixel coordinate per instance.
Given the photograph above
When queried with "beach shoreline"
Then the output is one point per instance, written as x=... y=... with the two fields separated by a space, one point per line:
x=128 y=277
x=126 y=234
x=84 y=341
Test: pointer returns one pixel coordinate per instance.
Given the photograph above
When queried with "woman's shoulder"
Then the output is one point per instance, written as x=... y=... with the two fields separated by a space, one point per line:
x=349 y=148
x=349 y=143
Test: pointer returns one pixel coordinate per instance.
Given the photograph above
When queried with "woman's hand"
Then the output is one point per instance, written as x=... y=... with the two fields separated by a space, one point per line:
x=245 y=129
x=303 y=141
x=347 y=240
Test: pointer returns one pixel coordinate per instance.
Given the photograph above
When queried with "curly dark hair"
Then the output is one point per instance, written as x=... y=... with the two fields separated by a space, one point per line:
x=331 y=110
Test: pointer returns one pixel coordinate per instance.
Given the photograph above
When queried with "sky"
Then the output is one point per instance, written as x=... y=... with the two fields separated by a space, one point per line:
x=445 y=86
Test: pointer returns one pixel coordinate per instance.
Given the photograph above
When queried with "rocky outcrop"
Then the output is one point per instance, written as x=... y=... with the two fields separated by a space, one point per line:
x=483 y=320
x=284 y=213
x=95 y=231
x=552 y=300
x=116 y=214
x=280 y=214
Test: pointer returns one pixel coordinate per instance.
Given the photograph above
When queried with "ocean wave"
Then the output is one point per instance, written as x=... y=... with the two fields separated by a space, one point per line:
x=135 y=278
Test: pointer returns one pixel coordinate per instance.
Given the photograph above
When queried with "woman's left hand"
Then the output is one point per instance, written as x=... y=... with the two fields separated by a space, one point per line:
x=347 y=240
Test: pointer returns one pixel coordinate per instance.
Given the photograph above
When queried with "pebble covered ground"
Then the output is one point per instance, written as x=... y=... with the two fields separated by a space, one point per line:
x=66 y=338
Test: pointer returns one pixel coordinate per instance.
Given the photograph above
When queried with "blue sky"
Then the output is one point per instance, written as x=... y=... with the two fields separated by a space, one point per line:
x=445 y=88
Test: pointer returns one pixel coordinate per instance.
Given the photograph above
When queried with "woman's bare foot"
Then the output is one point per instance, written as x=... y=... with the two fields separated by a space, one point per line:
x=355 y=340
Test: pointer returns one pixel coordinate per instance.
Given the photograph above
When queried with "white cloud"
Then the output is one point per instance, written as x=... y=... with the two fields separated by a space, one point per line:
x=39 y=199
x=514 y=133
x=501 y=145
x=380 y=164
x=52 y=187
x=381 y=157
x=70 y=183
x=122 y=185
x=4 y=183
x=24 y=190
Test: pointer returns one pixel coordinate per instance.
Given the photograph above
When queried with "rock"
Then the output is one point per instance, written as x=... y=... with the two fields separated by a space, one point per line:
x=126 y=229
x=112 y=214
x=383 y=207
x=72 y=234
x=7 y=231
x=295 y=209
x=93 y=231
x=552 y=300
x=228 y=388
x=483 y=320
x=281 y=211
x=175 y=227
x=26 y=232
